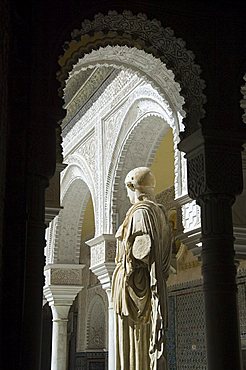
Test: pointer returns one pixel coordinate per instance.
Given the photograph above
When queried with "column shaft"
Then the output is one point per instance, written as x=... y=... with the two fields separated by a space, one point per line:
x=33 y=278
x=220 y=290
x=111 y=333
x=59 y=345
x=60 y=298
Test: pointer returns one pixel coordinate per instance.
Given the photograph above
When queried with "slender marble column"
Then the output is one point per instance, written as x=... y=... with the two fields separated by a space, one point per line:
x=60 y=298
x=103 y=265
x=111 y=332
x=59 y=337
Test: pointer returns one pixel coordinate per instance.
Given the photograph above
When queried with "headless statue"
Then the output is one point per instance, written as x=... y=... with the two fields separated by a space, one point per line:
x=139 y=289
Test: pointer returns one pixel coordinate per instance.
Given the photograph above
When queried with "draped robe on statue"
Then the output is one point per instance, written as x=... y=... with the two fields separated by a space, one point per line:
x=139 y=287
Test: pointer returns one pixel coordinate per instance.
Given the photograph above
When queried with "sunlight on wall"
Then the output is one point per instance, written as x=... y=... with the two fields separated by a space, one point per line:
x=163 y=164
x=88 y=227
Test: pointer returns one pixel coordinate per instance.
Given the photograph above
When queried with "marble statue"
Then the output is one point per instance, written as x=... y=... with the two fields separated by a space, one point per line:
x=139 y=290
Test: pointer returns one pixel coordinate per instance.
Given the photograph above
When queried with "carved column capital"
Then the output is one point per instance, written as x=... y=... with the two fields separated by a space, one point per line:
x=60 y=298
x=61 y=295
x=214 y=163
x=102 y=258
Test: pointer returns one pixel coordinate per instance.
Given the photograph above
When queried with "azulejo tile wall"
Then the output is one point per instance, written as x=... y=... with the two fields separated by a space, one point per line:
x=186 y=337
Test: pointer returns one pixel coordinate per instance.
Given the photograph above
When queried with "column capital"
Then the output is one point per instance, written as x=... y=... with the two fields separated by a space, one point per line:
x=214 y=162
x=61 y=295
x=102 y=258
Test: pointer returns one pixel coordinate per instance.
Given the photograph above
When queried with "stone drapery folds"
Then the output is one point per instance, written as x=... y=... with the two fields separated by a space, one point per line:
x=142 y=266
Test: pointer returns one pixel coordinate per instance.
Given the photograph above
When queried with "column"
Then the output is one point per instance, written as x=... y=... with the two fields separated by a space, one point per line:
x=219 y=282
x=59 y=337
x=214 y=178
x=33 y=274
x=103 y=265
x=63 y=283
x=111 y=332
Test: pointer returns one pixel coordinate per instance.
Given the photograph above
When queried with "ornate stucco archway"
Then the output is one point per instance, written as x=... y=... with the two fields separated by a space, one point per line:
x=157 y=103
x=114 y=41
x=137 y=31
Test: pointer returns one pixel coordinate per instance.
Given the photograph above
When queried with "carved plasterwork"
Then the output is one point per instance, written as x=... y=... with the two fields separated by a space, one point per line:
x=87 y=152
x=86 y=301
x=97 y=254
x=126 y=124
x=97 y=290
x=77 y=169
x=96 y=325
x=69 y=230
x=66 y=277
x=74 y=85
x=167 y=198
x=112 y=95
x=149 y=35
x=75 y=100
x=64 y=235
x=139 y=63
x=114 y=117
x=185 y=259
x=51 y=237
x=143 y=125
x=111 y=127
x=102 y=249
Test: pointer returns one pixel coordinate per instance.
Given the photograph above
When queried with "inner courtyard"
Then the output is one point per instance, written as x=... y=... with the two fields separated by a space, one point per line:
x=90 y=91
